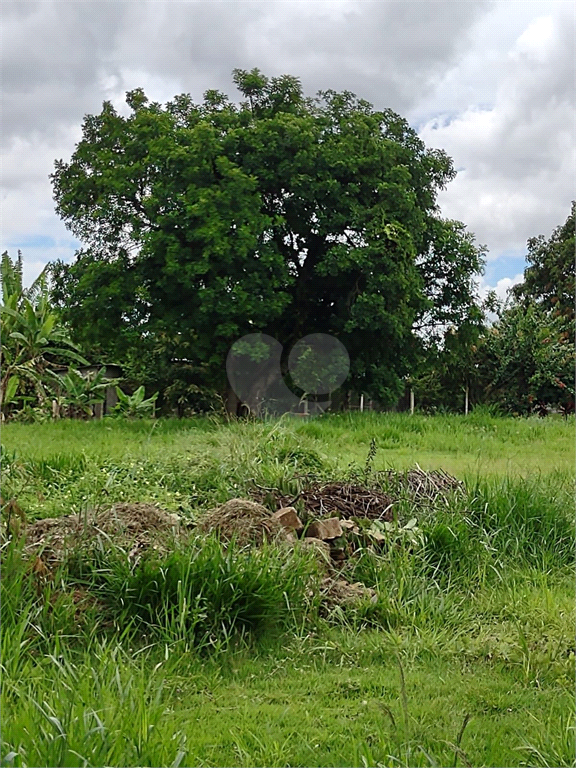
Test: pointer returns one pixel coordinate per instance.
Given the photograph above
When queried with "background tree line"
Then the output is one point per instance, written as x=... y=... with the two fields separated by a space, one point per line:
x=285 y=215
x=520 y=357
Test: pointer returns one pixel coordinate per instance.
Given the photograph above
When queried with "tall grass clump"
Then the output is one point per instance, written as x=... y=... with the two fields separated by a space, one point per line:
x=205 y=593
x=499 y=522
x=18 y=604
x=40 y=615
x=529 y=520
x=100 y=706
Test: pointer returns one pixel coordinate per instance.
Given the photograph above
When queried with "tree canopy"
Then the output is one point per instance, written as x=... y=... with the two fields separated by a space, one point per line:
x=283 y=214
x=526 y=361
x=549 y=279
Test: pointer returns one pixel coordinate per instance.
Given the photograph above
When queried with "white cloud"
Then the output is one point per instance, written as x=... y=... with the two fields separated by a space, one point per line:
x=537 y=40
x=27 y=211
x=501 y=288
x=517 y=155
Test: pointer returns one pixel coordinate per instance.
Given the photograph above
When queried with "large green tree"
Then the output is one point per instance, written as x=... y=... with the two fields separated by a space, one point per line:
x=283 y=214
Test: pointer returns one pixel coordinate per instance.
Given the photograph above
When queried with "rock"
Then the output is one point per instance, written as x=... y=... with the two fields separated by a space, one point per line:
x=338 y=549
x=349 y=525
x=288 y=518
x=341 y=592
x=377 y=536
x=311 y=541
x=325 y=529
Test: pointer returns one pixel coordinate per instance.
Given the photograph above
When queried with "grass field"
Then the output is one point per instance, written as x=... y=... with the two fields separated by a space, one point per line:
x=466 y=658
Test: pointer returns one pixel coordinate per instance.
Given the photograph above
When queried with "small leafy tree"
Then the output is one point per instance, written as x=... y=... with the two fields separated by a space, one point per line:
x=529 y=353
x=524 y=362
x=550 y=278
x=448 y=376
x=527 y=361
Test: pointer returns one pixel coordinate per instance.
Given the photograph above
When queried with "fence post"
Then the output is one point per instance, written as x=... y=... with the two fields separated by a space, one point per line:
x=412 y=401
x=361 y=403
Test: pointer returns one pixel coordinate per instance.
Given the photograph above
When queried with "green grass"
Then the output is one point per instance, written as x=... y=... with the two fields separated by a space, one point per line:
x=222 y=657
x=335 y=701
x=471 y=443
x=59 y=468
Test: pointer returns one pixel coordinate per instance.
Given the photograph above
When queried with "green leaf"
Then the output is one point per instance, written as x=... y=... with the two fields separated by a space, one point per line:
x=12 y=312
x=11 y=389
x=19 y=336
x=122 y=397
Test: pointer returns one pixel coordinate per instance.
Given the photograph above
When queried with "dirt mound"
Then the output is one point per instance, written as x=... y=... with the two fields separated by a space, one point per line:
x=345 y=501
x=247 y=522
x=135 y=527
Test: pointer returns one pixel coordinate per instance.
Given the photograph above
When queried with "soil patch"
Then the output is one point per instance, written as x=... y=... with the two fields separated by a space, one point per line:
x=341 y=592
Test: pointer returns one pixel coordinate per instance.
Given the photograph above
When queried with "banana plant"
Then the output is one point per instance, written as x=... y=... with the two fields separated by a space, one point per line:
x=76 y=394
x=135 y=405
x=30 y=331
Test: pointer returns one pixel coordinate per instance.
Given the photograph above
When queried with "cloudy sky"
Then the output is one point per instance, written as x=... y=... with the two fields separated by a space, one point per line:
x=491 y=82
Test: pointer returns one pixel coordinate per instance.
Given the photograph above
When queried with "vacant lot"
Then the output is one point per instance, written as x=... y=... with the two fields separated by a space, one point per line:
x=195 y=651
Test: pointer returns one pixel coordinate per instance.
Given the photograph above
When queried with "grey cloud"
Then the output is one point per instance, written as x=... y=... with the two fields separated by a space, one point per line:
x=53 y=57
x=57 y=54
x=388 y=52
x=511 y=126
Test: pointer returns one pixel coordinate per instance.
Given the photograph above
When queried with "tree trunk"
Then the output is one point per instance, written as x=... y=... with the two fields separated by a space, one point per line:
x=231 y=402
x=267 y=375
